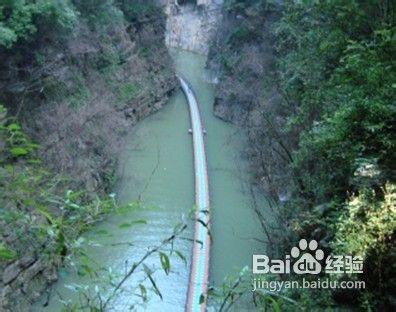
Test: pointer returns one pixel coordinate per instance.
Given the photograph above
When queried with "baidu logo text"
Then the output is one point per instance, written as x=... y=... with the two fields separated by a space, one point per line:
x=306 y=258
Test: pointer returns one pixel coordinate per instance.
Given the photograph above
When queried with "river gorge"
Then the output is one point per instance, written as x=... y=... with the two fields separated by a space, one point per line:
x=197 y=155
x=156 y=174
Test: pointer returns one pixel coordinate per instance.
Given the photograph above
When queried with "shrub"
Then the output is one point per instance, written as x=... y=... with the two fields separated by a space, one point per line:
x=20 y=20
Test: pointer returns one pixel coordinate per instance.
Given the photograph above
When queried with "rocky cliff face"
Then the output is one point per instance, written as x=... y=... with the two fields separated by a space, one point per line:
x=76 y=95
x=191 y=24
x=88 y=90
x=242 y=53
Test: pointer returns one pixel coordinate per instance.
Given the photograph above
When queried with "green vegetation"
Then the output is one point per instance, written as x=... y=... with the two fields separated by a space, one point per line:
x=74 y=71
x=33 y=205
x=22 y=20
x=241 y=34
x=127 y=91
x=325 y=100
x=25 y=20
x=71 y=77
x=139 y=12
x=339 y=70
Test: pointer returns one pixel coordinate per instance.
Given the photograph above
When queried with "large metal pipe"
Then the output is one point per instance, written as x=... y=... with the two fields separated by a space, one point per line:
x=199 y=272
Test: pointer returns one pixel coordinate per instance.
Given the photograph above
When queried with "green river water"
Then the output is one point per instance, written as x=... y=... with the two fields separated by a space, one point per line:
x=156 y=166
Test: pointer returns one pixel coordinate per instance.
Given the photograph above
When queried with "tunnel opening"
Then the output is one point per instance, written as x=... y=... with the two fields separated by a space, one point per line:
x=186 y=2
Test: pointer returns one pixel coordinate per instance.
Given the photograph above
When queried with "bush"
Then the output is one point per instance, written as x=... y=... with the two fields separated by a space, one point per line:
x=21 y=20
x=34 y=207
x=366 y=228
x=336 y=68
x=321 y=112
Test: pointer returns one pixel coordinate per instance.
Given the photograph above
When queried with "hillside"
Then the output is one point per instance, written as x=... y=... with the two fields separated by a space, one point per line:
x=312 y=83
x=74 y=75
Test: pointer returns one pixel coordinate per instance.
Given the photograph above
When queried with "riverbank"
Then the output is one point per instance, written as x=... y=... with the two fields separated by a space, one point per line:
x=74 y=80
x=299 y=77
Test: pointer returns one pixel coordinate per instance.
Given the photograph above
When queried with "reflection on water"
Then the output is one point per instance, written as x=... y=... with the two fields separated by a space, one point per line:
x=156 y=167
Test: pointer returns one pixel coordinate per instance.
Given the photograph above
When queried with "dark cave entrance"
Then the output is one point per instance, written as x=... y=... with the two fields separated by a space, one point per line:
x=185 y=2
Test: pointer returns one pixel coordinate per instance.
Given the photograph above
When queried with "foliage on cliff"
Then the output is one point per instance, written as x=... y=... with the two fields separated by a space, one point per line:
x=320 y=112
x=40 y=218
x=24 y=20
x=74 y=74
x=32 y=194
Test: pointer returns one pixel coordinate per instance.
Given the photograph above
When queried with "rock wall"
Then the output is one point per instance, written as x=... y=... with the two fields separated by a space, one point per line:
x=90 y=89
x=190 y=26
x=243 y=56
x=90 y=92
x=24 y=281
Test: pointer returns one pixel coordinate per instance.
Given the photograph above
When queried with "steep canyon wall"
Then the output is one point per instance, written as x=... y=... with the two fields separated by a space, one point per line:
x=191 y=24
